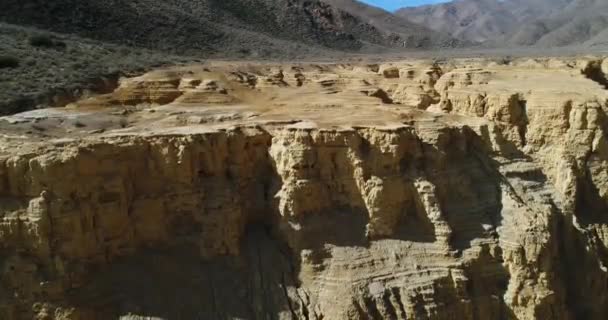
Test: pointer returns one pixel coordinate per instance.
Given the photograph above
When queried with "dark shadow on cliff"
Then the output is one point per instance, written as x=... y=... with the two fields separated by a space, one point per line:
x=347 y=224
x=175 y=283
x=342 y=223
x=412 y=222
x=593 y=71
x=584 y=250
x=523 y=181
x=487 y=284
x=468 y=191
x=469 y=186
x=525 y=184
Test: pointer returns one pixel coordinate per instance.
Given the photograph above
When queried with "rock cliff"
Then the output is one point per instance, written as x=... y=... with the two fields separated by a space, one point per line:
x=464 y=189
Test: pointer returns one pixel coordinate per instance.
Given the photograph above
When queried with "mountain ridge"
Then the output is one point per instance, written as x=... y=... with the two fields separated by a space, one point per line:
x=220 y=26
x=100 y=39
x=508 y=23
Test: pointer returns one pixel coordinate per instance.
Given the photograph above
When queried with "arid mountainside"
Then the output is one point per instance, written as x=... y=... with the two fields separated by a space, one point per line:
x=400 y=32
x=462 y=189
x=53 y=51
x=545 y=23
x=226 y=26
x=476 y=20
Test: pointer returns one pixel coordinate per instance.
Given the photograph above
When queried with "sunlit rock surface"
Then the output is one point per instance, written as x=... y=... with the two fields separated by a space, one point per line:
x=463 y=189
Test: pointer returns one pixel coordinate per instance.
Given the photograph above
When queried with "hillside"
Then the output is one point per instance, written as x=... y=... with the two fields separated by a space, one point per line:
x=399 y=31
x=83 y=41
x=475 y=20
x=545 y=23
x=224 y=26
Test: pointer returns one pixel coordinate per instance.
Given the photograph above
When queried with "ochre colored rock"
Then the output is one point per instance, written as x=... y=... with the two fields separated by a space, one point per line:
x=467 y=190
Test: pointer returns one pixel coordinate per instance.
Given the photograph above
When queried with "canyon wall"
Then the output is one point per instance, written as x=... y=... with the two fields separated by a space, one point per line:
x=467 y=189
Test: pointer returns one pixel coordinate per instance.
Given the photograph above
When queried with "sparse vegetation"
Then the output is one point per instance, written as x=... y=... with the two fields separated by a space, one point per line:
x=512 y=23
x=46 y=41
x=504 y=61
x=8 y=62
x=63 y=44
x=34 y=72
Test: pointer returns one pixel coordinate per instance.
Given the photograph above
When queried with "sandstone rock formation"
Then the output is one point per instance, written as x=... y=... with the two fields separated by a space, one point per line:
x=465 y=189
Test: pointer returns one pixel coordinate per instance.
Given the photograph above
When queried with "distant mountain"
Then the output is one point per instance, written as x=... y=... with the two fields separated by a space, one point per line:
x=223 y=26
x=475 y=20
x=517 y=22
x=395 y=29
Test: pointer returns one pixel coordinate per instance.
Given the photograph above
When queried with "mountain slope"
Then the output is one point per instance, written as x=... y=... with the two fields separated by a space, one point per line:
x=581 y=21
x=207 y=25
x=101 y=38
x=476 y=20
x=398 y=31
x=547 y=23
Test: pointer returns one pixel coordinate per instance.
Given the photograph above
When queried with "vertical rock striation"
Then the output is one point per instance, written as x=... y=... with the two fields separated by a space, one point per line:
x=483 y=201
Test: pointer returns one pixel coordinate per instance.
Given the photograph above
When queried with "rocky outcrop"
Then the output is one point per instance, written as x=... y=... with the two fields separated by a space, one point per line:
x=290 y=192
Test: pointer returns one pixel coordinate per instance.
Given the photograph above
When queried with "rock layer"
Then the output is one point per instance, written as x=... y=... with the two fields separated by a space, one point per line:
x=466 y=189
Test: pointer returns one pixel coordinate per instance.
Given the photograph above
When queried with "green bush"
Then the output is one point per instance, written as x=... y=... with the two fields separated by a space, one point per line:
x=8 y=62
x=45 y=41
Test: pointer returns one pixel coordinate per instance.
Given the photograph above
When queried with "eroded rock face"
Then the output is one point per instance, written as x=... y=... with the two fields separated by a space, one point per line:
x=465 y=190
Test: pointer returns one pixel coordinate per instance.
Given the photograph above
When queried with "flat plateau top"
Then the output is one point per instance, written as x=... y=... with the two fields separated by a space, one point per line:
x=225 y=95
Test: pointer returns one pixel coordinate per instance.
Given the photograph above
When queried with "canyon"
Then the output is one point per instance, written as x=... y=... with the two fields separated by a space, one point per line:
x=471 y=188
